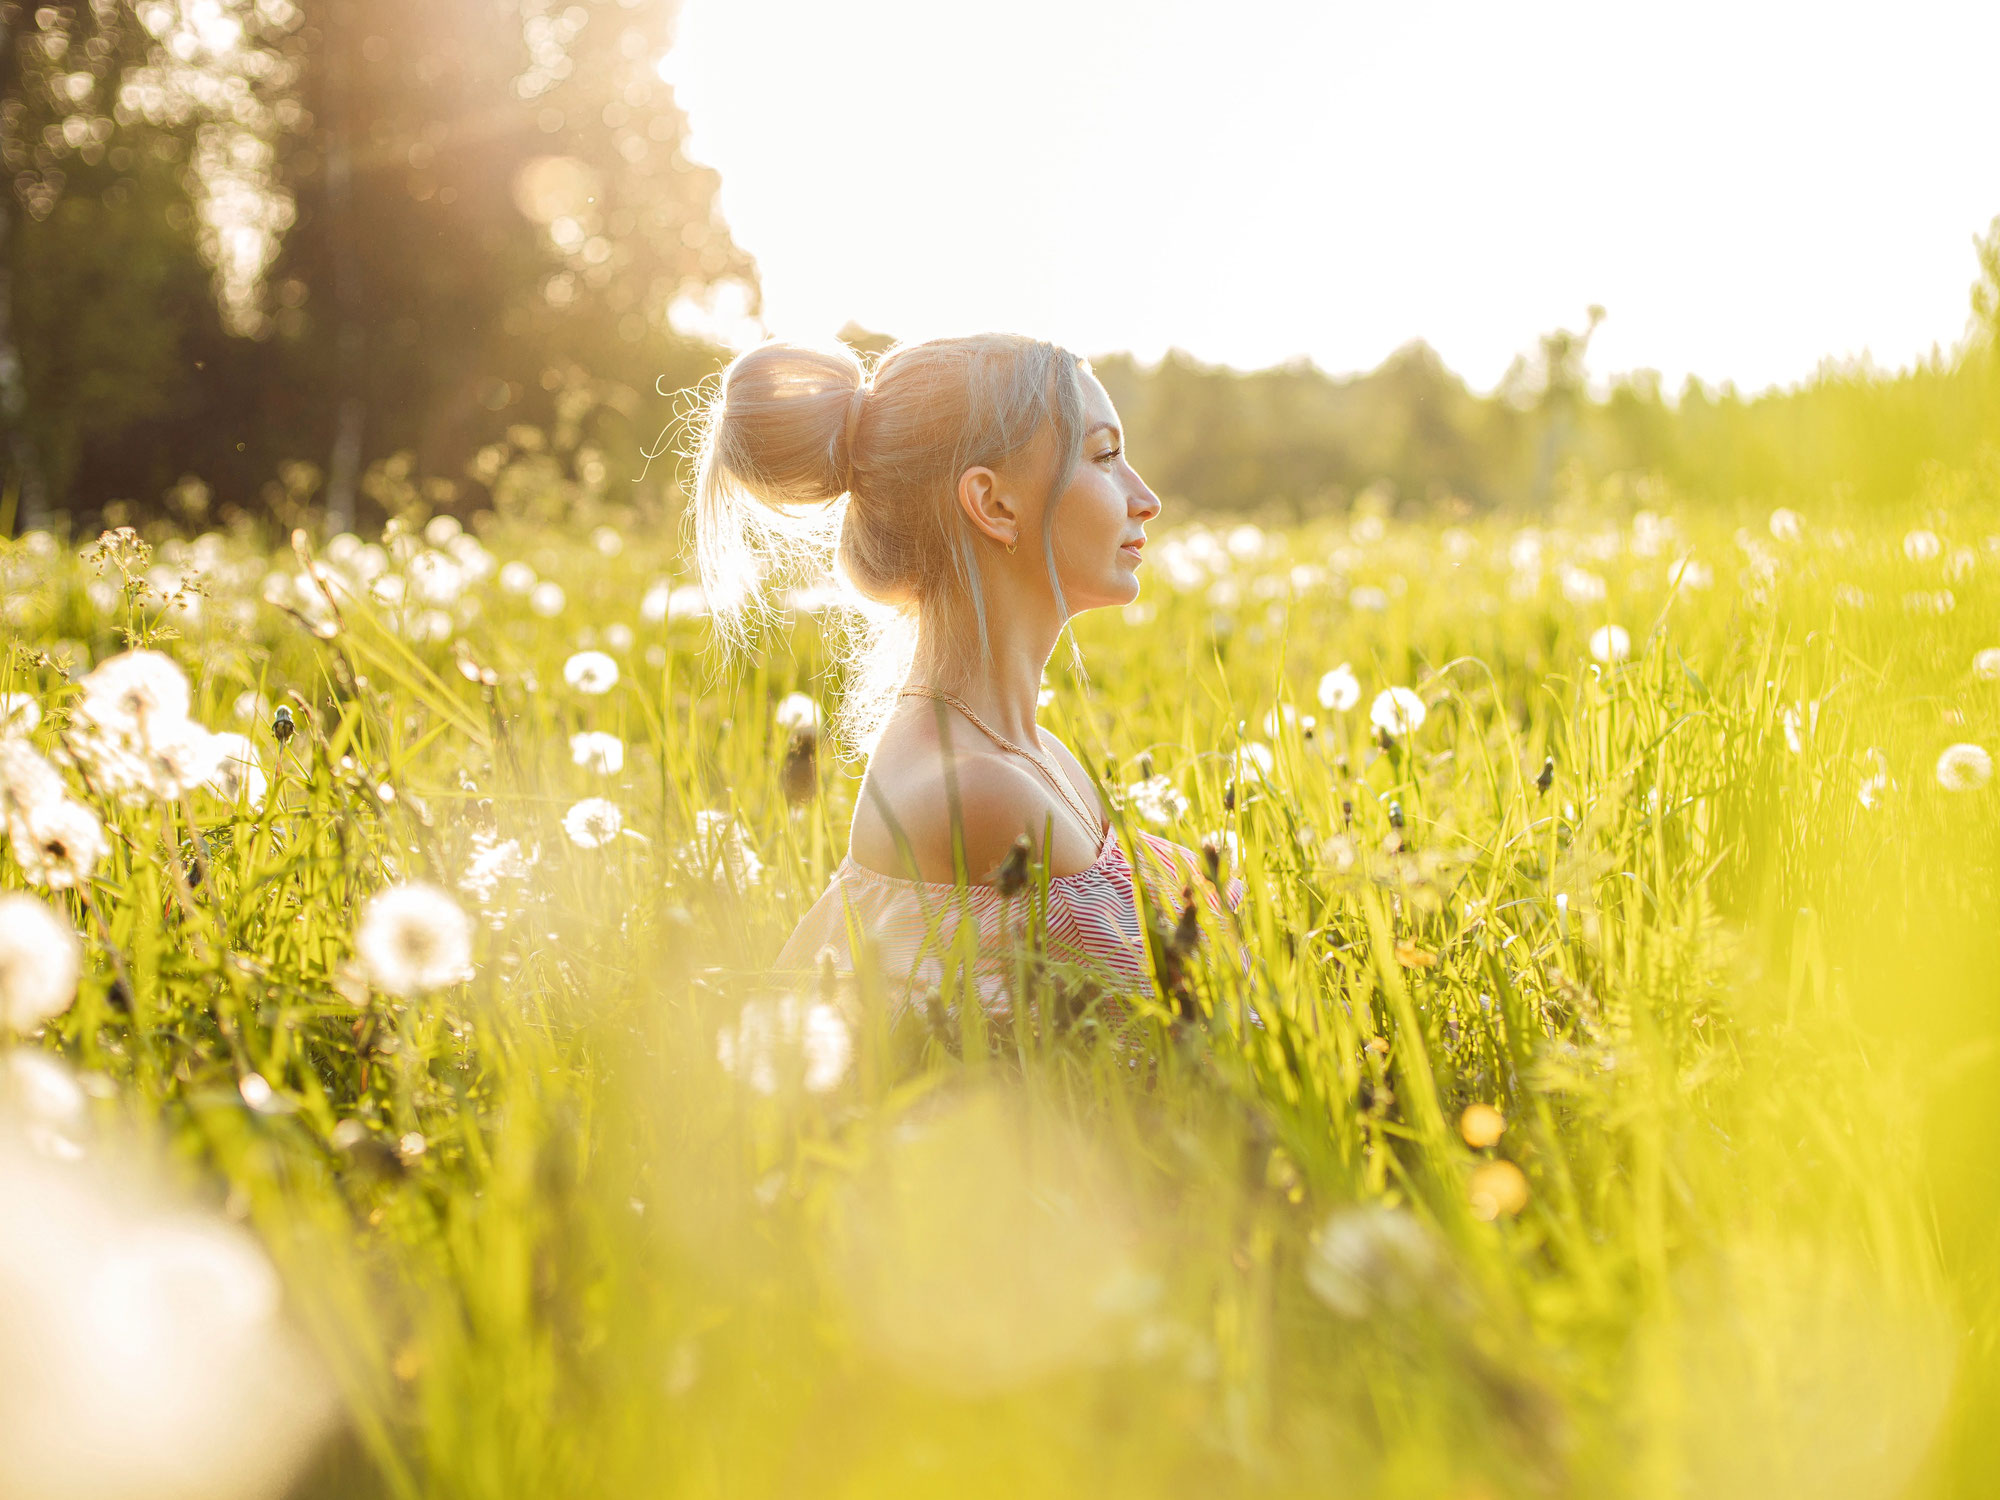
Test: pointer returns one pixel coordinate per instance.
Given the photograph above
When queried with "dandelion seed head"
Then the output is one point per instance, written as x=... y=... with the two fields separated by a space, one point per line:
x=1370 y=1260
x=1986 y=664
x=40 y=963
x=1397 y=711
x=593 y=822
x=1610 y=644
x=1922 y=545
x=547 y=599
x=1158 y=800
x=517 y=578
x=597 y=751
x=1787 y=525
x=798 y=713
x=1964 y=768
x=783 y=1041
x=1340 y=689
x=19 y=713
x=414 y=939
x=592 y=672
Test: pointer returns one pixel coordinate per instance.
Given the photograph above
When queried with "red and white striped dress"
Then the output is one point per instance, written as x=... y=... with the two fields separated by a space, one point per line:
x=912 y=926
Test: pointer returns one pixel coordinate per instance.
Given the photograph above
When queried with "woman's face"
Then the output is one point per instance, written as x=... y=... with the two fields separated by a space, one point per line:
x=1100 y=519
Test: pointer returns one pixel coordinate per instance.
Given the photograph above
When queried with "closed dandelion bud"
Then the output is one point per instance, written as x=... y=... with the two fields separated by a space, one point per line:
x=1229 y=796
x=799 y=776
x=1187 y=931
x=1547 y=778
x=1211 y=860
x=282 y=725
x=1346 y=813
x=1145 y=765
x=1013 y=874
x=1396 y=816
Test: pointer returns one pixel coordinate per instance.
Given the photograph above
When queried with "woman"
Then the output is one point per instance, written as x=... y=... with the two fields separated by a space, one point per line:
x=975 y=494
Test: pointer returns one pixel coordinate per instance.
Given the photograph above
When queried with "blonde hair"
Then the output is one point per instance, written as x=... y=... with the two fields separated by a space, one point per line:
x=806 y=467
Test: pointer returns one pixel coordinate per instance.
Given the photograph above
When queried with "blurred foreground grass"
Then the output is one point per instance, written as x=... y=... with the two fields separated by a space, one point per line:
x=1684 y=900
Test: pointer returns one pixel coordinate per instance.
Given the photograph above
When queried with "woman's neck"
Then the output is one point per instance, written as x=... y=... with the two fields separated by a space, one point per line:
x=1004 y=690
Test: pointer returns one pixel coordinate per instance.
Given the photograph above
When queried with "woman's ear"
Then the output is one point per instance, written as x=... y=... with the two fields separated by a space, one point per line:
x=988 y=505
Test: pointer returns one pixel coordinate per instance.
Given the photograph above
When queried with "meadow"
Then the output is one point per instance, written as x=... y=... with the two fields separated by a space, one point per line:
x=1606 y=1107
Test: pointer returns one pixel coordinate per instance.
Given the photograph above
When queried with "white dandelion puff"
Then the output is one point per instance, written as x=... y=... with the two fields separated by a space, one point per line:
x=238 y=776
x=19 y=713
x=1964 y=768
x=593 y=822
x=1253 y=763
x=40 y=962
x=778 y=1042
x=592 y=672
x=1787 y=525
x=721 y=850
x=57 y=843
x=1340 y=689
x=1158 y=800
x=1986 y=664
x=517 y=578
x=1922 y=545
x=547 y=599
x=798 y=713
x=1690 y=573
x=414 y=939
x=1876 y=784
x=1610 y=644
x=1398 y=711
x=597 y=751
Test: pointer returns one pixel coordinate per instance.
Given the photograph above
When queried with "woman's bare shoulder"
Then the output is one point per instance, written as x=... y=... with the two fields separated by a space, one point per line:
x=909 y=815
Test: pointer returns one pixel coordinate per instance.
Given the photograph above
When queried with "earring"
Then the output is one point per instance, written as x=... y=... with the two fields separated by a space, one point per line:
x=1010 y=548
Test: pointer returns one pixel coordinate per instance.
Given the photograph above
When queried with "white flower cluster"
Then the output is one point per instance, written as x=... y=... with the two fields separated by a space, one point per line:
x=786 y=1041
x=133 y=735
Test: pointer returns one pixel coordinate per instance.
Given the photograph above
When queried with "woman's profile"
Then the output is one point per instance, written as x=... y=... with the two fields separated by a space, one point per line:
x=973 y=494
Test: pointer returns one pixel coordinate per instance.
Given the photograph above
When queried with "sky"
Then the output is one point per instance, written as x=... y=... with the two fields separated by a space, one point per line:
x=1747 y=188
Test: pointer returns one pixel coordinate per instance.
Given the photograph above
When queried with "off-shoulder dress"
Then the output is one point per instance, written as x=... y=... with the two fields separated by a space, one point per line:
x=1093 y=919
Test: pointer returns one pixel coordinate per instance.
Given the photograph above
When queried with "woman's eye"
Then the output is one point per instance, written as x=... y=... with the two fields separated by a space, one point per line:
x=1105 y=458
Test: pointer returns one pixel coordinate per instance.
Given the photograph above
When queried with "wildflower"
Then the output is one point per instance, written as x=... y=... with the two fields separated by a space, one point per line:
x=1690 y=573
x=593 y=823
x=1397 y=711
x=132 y=730
x=40 y=960
x=1481 y=1125
x=591 y=672
x=1964 y=768
x=1986 y=664
x=1581 y=586
x=414 y=939
x=169 y=1316
x=1787 y=525
x=618 y=636
x=1610 y=644
x=19 y=713
x=237 y=774
x=1497 y=1188
x=1340 y=689
x=495 y=861
x=653 y=604
x=547 y=599
x=1876 y=784
x=1922 y=545
x=41 y=1097
x=1368 y=597
x=1253 y=762
x=1365 y=1260
x=721 y=851
x=57 y=842
x=517 y=578
x=777 y=1041
x=597 y=751
x=1158 y=800
x=797 y=713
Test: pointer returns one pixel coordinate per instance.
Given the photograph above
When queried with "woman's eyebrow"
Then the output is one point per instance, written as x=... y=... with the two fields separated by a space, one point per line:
x=1104 y=427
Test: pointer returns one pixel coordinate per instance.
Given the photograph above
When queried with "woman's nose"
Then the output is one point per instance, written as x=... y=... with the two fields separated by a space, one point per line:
x=1145 y=504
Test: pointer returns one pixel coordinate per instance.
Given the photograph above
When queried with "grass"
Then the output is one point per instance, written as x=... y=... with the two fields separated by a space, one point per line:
x=1740 y=1026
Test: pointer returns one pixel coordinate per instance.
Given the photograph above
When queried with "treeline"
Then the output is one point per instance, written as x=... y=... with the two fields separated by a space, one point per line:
x=318 y=260
x=1294 y=440
x=250 y=249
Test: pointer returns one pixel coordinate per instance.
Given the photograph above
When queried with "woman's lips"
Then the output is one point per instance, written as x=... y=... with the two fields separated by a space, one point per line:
x=1133 y=548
